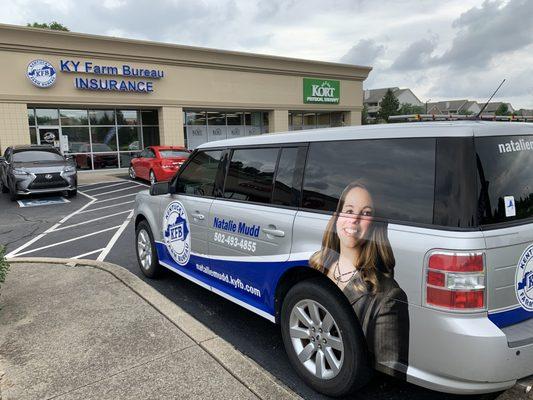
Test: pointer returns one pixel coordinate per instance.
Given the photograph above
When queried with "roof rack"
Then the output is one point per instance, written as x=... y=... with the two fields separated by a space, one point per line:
x=458 y=117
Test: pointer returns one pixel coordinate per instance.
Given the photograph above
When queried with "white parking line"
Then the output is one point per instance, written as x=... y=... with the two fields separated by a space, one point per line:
x=115 y=237
x=116 y=190
x=91 y=220
x=68 y=240
x=106 y=186
x=114 y=198
x=99 y=183
x=86 y=195
x=113 y=205
x=88 y=254
x=139 y=183
x=36 y=238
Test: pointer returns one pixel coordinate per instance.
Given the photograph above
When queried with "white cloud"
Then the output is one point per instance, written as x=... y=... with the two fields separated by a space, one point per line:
x=452 y=48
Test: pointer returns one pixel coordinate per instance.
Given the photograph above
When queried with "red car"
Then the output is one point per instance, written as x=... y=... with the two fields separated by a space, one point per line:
x=158 y=163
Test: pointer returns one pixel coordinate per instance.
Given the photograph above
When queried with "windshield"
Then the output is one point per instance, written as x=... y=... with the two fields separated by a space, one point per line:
x=505 y=176
x=173 y=153
x=36 y=156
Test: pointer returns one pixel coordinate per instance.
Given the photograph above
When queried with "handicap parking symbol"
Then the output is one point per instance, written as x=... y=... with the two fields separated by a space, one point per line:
x=42 y=202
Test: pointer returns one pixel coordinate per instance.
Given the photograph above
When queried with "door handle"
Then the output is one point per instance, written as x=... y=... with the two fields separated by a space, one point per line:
x=274 y=232
x=199 y=216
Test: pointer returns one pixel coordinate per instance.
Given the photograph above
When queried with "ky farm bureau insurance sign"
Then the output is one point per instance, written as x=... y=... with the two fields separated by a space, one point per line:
x=321 y=91
x=89 y=75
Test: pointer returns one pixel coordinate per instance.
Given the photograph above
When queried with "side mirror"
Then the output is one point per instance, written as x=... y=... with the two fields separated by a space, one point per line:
x=160 y=188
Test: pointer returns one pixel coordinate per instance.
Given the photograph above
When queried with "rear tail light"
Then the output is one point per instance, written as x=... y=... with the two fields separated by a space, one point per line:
x=168 y=164
x=456 y=281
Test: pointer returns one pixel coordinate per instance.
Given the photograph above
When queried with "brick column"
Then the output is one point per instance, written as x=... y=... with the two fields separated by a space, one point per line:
x=278 y=121
x=171 y=126
x=14 y=128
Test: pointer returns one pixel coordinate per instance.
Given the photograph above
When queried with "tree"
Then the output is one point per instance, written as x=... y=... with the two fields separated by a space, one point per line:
x=364 y=115
x=55 y=26
x=408 y=109
x=503 y=109
x=389 y=106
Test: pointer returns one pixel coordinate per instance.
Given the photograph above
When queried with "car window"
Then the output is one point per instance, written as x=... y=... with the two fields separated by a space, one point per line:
x=149 y=153
x=36 y=156
x=173 y=153
x=198 y=177
x=250 y=175
x=288 y=177
x=398 y=174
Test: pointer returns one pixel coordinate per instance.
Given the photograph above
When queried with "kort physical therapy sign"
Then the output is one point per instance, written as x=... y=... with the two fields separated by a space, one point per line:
x=321 y=91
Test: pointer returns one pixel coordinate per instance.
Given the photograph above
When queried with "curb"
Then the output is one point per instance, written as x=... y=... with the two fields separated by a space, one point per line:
x=244 y=369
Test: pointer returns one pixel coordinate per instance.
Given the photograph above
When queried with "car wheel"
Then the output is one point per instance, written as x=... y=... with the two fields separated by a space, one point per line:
x=12 y=194
x=153 y=179
x=323 y=339
x=72 y=193
x=131 y=172
x=146 y=252
x=4 y=188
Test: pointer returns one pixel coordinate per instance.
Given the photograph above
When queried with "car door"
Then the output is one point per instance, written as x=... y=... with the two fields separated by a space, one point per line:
x=184 y=217
x=147 y=161
x=250 y=227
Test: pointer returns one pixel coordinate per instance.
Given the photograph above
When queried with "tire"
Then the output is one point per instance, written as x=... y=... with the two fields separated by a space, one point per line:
x=72 y=193
x=131 y=173
x=145 y=250
x=13 y=194
x=4 y=188
x=153 y=178
x=348 y=352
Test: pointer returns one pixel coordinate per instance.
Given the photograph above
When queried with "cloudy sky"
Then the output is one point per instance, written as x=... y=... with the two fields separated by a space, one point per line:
x=442 y=50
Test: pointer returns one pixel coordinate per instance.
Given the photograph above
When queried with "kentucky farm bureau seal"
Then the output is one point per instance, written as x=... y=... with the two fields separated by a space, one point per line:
x=524 y=279
x=176 y=233
x=41 y=73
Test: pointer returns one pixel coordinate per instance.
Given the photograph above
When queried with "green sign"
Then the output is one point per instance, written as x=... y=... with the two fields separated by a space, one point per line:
x=321 y=91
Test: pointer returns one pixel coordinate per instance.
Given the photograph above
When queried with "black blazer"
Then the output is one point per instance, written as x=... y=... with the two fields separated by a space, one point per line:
x=384 y=318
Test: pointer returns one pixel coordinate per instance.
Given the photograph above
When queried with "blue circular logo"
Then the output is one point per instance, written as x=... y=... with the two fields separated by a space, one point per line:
x=524 y=279
x=41 y=73
x=176 y=233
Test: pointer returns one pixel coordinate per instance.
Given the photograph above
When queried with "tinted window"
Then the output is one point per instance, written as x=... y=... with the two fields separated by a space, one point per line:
x=250 y=175
x=398 y=174
x=36 y=156
x=455 y=183
x=505 y=178
x=149 y=153
x=288 y=176
x=173 y=153
x=198 y=177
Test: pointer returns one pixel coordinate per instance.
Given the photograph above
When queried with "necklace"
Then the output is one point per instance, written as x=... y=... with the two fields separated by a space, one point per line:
x=339 y=277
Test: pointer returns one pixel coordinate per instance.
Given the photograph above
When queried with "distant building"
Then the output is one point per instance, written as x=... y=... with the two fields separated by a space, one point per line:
x=372 y=99
x=493 y=107
x=450 y=107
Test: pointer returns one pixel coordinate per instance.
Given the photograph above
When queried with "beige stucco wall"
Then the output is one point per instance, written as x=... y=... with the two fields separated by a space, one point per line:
x=194 y=78
x=14 y=128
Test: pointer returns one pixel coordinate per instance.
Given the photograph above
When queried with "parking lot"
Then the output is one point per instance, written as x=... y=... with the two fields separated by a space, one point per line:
x=91 y=230
x=97 y=225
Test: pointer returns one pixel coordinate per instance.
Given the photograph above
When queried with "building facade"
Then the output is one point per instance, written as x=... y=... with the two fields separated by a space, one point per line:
x=372 y=99
x=101 y=99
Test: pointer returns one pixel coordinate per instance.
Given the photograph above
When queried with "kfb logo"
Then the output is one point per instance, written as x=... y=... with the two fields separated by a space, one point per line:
x=176 y=233
x=41 y=73
x=524 y=279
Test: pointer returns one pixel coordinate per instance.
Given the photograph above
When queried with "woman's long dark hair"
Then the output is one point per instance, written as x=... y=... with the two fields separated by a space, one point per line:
x=376 y=254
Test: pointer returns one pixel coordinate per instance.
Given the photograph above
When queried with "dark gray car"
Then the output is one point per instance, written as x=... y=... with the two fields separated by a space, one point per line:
x=28 y=170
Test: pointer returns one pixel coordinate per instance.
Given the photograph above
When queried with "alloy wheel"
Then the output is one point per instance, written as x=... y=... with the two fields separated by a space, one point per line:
x=144 y=249
x=316 y=339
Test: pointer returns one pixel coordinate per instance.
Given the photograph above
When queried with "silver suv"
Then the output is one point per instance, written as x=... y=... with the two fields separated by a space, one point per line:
x=28 y=170
x=406 y=248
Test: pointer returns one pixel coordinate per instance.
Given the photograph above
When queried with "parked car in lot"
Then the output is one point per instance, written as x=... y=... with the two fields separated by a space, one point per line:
x=158 y=163
x=28 y=170
x=405 y=248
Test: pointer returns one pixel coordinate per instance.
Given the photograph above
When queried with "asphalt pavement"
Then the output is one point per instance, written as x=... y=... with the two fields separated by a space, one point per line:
x=97 y=225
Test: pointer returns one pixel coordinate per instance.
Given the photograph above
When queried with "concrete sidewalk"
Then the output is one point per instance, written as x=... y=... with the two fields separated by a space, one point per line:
x=95 y=331
x=99 y=176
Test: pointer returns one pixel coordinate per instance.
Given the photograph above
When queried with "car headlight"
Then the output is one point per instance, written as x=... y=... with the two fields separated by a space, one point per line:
x=17 y=171
x=70 y=169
